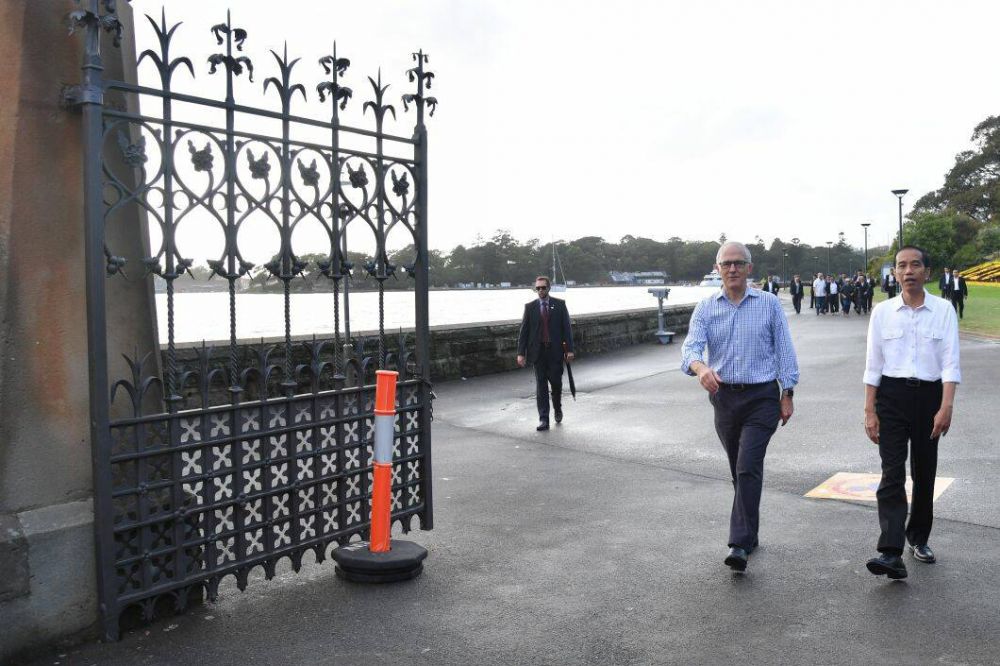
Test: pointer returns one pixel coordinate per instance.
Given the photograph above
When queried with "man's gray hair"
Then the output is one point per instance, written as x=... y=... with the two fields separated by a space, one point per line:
x=744 y=248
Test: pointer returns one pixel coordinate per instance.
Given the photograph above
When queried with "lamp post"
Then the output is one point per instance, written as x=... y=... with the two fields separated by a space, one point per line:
x=899 y=194
x=815 y=265
x=866 y=225
x=829 y=253
x=784 y=267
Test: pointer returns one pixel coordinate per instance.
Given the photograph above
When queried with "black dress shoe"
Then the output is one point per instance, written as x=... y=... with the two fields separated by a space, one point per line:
x=558 y=414
x=923 y=553
x=542 y=425
x=737 y=559
x=887 y=565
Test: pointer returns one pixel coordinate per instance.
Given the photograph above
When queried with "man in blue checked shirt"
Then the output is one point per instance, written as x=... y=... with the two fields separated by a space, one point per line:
x=749 y=375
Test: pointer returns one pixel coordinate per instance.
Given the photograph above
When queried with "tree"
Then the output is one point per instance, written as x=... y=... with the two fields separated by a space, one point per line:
x=972 y=186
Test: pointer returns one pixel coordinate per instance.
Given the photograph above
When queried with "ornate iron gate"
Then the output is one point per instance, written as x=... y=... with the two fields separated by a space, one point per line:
x=222 y=463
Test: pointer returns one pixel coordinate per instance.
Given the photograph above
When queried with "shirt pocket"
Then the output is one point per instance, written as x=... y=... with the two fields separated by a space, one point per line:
x=890 y=335
x=932 y=337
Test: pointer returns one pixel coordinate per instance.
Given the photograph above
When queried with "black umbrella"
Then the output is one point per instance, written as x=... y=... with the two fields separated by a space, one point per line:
x=569 y=373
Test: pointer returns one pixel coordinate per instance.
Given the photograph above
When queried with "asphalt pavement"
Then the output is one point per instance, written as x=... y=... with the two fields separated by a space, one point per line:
x=602 y=540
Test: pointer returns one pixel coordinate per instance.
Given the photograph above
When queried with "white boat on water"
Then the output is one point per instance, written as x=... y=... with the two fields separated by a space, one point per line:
x=713 y=279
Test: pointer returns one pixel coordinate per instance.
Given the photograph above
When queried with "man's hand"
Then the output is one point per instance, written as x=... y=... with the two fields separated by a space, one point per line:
x=942 y=422
x=520 y=360
x=709 y=378
x=871 y=425
x=786 y=408
x=569 y=356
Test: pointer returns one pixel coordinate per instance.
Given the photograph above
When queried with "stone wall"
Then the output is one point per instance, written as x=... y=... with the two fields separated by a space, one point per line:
x=482 y=349
x=459 y=351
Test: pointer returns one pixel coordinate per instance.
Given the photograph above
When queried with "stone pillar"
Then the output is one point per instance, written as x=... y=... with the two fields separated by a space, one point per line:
x=47 y=584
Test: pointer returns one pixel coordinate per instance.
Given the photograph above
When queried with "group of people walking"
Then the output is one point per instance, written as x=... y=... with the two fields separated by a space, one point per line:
x=834 y=294
x=740 y=348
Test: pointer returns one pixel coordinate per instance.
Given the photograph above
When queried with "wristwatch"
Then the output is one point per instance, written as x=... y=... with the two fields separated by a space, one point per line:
x=788 y=393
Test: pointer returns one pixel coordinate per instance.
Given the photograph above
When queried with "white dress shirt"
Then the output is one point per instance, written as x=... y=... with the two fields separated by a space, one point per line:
x=819 y=287
x=908 y=342
x=833 y=288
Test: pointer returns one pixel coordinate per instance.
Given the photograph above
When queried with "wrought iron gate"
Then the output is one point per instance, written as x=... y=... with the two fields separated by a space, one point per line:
x=220 y=463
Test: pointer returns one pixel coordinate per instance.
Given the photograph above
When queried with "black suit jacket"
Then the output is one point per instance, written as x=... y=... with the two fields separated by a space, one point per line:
x=945 y=285
x=962 y=290
x=796 y=290
x=529 y=340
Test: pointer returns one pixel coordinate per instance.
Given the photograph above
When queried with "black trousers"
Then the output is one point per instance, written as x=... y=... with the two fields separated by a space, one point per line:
x=548 y=371
x=745 y=420
x=958 y=302
x=797 y=302
x=906 y=417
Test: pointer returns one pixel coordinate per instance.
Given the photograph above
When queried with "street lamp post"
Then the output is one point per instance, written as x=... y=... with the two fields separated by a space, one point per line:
x=815 y=265
x=866 y=225
x=899 y=194
x=784 y=267
x=829 y=254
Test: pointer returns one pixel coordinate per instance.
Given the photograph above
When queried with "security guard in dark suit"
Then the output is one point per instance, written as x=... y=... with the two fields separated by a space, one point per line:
x=545 y=329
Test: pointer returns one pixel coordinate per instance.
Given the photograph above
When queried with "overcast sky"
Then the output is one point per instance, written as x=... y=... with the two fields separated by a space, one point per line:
x=564 y=119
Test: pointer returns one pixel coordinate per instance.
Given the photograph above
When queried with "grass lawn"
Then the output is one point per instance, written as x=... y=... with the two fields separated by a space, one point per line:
x=982 y=308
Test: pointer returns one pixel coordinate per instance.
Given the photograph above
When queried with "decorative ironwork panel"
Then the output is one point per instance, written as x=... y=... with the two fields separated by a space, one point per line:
x=211 y=461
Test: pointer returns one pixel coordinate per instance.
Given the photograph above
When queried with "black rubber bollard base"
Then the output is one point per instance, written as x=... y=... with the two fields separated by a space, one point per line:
x=358 y=564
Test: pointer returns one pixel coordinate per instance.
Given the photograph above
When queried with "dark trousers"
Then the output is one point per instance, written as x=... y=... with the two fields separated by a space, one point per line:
x=797 y=303
x=820 y=304
x=834 y=302
x=958 y=302
x=548 y=371
x=745 y=421
x=906 y=417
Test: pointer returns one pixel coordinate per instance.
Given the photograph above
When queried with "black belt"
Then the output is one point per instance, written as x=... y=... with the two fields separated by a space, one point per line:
x=743 y=387
x=909 y=381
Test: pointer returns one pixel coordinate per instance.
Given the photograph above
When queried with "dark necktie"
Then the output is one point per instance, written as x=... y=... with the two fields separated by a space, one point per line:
x=545 y=323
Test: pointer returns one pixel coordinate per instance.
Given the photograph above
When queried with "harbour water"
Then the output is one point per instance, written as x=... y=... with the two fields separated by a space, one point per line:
x=205 y=316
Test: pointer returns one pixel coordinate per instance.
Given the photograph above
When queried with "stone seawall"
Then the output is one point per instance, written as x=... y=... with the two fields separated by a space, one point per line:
x=467 y=350
x=486 y=348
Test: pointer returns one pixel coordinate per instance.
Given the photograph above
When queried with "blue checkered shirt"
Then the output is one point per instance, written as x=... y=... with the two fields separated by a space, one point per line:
x=747 y=343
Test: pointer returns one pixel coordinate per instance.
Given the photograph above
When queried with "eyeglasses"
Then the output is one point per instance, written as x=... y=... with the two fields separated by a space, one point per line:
x=541 y=288
x=732 y=264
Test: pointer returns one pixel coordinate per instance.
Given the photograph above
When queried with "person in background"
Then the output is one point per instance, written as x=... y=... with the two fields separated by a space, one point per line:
x=833 y=291
x=846 y=296
x=889 y=285
x=911 y=374
x=944 y=284
x=749 y=374
x=819 y=290
x=545 y=327
x=797 y=290
x=959 y=292
x=870 y=292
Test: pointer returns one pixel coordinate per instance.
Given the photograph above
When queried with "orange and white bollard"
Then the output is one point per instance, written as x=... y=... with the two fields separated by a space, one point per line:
x=385 y=422
x=380 y=560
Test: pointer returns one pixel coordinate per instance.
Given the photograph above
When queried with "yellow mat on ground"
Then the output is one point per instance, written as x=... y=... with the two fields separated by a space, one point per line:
x=855 y=486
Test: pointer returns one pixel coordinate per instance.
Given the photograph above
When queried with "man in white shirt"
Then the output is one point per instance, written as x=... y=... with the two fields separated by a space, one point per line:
x=819 y=291
x=911 y=373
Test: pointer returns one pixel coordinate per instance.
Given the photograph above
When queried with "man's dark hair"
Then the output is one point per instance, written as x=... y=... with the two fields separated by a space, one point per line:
x=924 y=257
x=544 y=277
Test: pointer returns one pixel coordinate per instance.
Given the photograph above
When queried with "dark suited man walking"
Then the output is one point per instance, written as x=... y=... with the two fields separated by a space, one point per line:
x=749 y=374
x=545 y=327
x=959 y=292
x=797 y=290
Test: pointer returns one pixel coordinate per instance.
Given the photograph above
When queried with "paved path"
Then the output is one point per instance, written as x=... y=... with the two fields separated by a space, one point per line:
x=601 y=541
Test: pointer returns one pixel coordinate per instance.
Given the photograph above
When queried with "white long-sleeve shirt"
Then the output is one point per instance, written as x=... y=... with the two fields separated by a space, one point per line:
x=908 y=342
x=819 y=287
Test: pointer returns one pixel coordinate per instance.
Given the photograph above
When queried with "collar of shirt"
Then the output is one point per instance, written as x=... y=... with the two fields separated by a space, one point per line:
x=748 y=293
x=898 y=303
